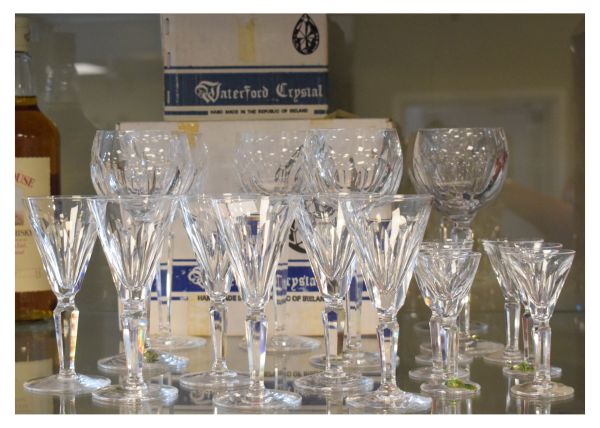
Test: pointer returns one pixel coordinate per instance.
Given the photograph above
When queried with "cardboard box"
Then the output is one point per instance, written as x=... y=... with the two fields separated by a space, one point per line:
x=241 y=67
x=191 y=305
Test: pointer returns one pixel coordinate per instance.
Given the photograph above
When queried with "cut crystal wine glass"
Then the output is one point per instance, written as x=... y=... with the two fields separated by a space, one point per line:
x=201 y=225
x=386 y=232
x=150 y=162
x=542 y=274
x=132 y=230
x=435 y=368
x=255 y=230
x=64 y=233
x=272 y=163
x=327 y=241
x=445 y=277
x=464 y=169
x=354 y=160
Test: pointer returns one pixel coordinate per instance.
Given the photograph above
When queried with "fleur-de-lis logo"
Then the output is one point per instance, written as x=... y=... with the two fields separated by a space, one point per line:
x=208 y=91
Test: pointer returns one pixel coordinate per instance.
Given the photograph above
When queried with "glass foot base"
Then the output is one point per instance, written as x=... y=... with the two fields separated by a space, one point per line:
x=175 y=343
x=479 y=348
x=214 y=381
x=324 y=383
x=455 y=388
x=160 y=362
x=269 y=400
x=551 y=391
x=118 y=394
x=284 y=344
x=476 y=327
x=427 y=374
x=364 y=362
x=385 y=400
x=425 y=359
x=501 y=358
x=524 y=371
x=73 y=385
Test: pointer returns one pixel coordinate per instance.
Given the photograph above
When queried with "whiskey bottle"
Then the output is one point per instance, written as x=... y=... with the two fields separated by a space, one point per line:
x=37 y=166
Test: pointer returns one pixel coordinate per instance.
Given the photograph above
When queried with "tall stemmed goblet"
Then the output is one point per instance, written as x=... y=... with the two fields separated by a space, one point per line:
x=464 y=169
x=445 y=276
x=542 y=274
x=201 y=225
x=435 y=369
x=146 y=162
x=511 y=355
x=64 y=233
x=132 y=230
x=354 y=160
x=525 y=368
x=327 y=241
x=271 y=163
x=255 y=230
x=386 y=232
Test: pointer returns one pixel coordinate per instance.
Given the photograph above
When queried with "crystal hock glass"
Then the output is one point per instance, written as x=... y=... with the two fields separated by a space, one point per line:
x=511 y=355
x=255 y=230
x=354 y=160
x=435 y=368
x=272 y=163
x=64 y=233
x=524 y=369
x=463 y=169
x=146 y=162
x=542 y=273
x=445 y=277
x=132 y=231
x=386 y=232
x=331 y=255
x=201 y=225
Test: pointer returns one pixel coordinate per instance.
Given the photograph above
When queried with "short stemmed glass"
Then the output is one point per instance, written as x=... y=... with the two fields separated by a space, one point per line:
x=354 y=160
x=201 y=225
x=132 y=231
x=272 y=163
x=255 y=229
x=542 y=274
x=435 y=368
x=445 y=277
x=147 y=162
x=464 y=169
x=523 y=368
x=386 y=232
x=64 y=233
x=511 y=354
x=331 y=255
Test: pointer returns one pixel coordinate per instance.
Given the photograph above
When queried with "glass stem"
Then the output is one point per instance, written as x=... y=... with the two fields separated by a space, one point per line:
x=164 y=294
x=256 y=338
x=280 y=298
x=353 y=342
x=436 y=355
x=135 y=326
x=334 y=318
x=541 y=339
x=388 y=332
x=527 y=335
x=512 y=311
x=464 y=319
x=218 y=328
x=66 y=318
x=449 y=351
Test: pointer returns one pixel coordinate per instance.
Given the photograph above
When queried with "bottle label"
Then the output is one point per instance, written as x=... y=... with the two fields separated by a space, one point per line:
x=32 y=178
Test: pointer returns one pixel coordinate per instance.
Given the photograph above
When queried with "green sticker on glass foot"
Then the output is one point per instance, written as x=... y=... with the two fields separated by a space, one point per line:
x=457 y=383
x=523 y=367
x=151 y=356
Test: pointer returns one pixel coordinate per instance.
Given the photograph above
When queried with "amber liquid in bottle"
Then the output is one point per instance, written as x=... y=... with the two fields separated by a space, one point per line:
x=37 y=145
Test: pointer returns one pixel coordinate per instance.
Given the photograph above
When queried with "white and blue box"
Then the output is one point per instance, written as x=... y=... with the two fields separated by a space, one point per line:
x=242 y=67
x=191 y=305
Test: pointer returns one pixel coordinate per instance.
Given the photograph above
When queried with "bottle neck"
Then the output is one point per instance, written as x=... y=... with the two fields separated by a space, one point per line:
x=59 y=84
x=23 y=78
